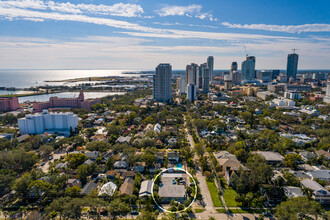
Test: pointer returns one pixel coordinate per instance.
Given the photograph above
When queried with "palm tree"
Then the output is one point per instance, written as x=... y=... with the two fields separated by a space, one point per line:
x=308 y=192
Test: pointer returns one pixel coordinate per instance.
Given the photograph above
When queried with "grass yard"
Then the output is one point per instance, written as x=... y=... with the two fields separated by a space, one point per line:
x=229 y=195
x=213 y=192
x=221 y=210
x=199 y=210
x=239 y=210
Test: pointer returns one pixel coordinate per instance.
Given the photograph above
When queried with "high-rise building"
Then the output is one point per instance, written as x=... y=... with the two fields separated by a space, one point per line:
x=205 y=78
x=248 y=69
x=8 y=104
x=265 y=76
x=181 y=85
x=51 y=122
x=228 y=82
x=200 y=76
x=236 y=77
x=162 y=83
x=327 y=93
x=233 y=67
x=192 y=74
x=292 y=66
x=275 y=74
x=191 y=92
x=210 y=65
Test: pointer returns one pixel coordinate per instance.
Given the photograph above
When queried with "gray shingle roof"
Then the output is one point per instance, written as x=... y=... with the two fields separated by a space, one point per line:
x=145 y=189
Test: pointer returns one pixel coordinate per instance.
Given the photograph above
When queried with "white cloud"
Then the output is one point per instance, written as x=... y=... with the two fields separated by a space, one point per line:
x=18 y=13
x=182 y=24
x=101 y=52
x=189 y=11
x=118 y=9
x=282 y=28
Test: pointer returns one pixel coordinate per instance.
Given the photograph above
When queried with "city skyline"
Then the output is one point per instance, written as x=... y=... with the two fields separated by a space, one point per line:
x=58 y=34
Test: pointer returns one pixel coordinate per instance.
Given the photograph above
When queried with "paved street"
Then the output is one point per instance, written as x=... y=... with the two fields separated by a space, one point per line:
x=45 y=167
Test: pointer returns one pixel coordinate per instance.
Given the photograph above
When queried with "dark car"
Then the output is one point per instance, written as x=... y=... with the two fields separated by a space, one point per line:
x=135 y=212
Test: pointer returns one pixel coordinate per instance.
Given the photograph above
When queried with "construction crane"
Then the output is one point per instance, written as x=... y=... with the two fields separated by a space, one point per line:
x=294 y=50
x=245 y=51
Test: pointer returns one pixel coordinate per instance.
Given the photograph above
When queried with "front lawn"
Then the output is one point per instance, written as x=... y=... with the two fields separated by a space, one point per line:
x=229 y=195
x=213 y=192
x=199 y=210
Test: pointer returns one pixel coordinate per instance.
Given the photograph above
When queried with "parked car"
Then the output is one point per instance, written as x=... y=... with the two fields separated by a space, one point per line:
x=43 y=163
x=135 y=212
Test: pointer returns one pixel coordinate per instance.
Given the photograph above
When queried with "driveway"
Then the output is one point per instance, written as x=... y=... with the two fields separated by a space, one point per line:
x=45 y=167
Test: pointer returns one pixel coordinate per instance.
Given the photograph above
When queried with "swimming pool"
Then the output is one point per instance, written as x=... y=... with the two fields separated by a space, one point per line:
x=179 y=165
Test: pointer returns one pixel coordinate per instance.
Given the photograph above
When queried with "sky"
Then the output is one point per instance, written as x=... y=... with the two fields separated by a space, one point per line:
x=140 y=34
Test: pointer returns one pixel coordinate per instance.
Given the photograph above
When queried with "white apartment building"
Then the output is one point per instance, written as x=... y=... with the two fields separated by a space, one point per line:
x=41 y=122
x=284 y=102
x=292 y=95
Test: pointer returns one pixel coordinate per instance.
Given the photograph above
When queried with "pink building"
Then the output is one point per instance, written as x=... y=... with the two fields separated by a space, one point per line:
x=55 y=102
x=8 y=104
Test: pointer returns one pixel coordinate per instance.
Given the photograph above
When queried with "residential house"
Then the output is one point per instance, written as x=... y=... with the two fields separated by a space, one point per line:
x=272 y=194
x=73 y=182
x=157 y=128
x=323 y=153
x=123 y=140
x=173 y=157
x=160 y=157
x=88 y=188
x=22 y=138
x=146 y=188
x=139 y=166
x=321 y=175
x=112 y=174
x=127 y=187
x=292 y=191
x=320 y=194
x=120 y=165
x=128 y=174
x=272 y=158
x=149 y=127
x=92 y=155
x=7 y=136
x=88 y=162
x=108 y=188
x=300 y=175
x=307 y=156
x=62 y=165
x=172 y=141
x=99 y=137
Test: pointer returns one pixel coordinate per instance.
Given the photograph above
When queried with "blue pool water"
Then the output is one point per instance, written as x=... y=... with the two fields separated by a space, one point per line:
x=179 y=165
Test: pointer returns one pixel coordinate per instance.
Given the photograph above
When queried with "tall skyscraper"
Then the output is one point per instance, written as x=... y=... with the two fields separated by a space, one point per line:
x=192 y=74
x=181 y=85
x=248 y=69
x=205 y=78
x=233 y=67
x=200 y=76
x=162 y=83
x=191 y=92
x=210 y=65
x=236 y=77
x=292 y=66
